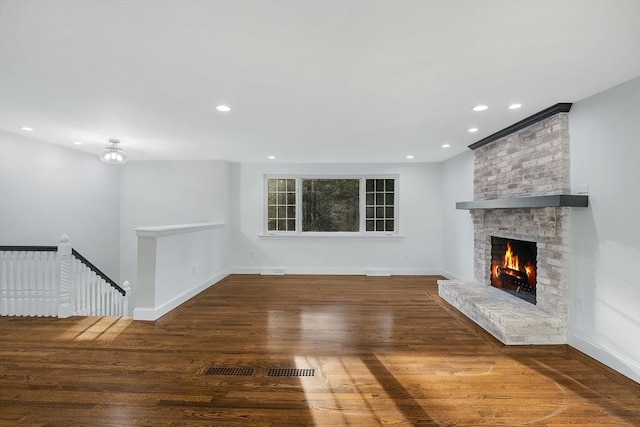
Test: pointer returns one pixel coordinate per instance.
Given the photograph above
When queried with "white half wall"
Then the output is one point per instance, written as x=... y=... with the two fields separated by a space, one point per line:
x=457 y=225
x=47 y=190
x=176 y=263
x=605 y=150
x=418 y=251
x=158 y=193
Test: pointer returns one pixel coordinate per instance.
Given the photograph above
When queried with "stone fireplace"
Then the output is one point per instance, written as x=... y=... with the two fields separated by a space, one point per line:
x=521 y=181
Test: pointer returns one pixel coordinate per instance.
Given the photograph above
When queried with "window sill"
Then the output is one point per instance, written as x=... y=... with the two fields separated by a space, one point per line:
x=312 y=236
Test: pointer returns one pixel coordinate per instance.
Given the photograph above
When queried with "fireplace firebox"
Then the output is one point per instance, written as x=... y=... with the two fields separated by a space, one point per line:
x=513 y=267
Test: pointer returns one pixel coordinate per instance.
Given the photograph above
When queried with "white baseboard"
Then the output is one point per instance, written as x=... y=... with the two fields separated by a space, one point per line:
x=624 y=365
x=272 y=271
x=245 y=270
x=378 y=272
x=449 y=275
x=154 y=313
x=416 y=272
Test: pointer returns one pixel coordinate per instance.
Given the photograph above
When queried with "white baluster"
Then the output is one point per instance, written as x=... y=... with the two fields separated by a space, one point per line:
x=87 y=284
x=18 y=283
x=98 y=282
x=24 y=284
x=11 y=282
x=38 y=285
x=27 y=274
x=109 y=301
x=92 y=305
x=4 y=290
x=52 y=281
x=97 y=287
x=33 y=265
x=45 y=283
x=30 y=279
x=103 y=299
x=84 y=288
x=64 y=295
x=77 y=297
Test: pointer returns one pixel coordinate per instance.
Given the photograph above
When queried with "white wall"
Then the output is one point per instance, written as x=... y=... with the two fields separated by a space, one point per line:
x=420 y=222
x=457 y=225
x=605 y=151
x=47 y=190
x=158 y=193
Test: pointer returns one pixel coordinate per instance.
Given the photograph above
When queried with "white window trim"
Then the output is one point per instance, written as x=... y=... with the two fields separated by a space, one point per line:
x=298 y=233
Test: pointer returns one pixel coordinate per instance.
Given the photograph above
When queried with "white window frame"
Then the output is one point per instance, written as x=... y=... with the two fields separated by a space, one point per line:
x=362 y=207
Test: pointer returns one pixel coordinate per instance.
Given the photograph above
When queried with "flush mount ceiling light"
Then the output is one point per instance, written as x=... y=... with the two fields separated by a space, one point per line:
x=514 y=106
x=77 y=143
x=113 y=154
x=410 y=157
x=446 y=145
x=472 y=130
x=223 y=108
x=27 y=128
x=480 y=108
x=271 y=157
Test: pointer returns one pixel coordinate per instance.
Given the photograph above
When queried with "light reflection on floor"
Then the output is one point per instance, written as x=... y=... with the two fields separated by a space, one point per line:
x=96 y=328
x=400 y=387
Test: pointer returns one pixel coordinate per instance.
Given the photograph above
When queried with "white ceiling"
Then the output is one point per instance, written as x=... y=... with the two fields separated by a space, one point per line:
x=308 y=81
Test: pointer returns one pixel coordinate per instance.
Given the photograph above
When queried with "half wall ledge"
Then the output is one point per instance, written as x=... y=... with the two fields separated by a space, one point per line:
x=511 y=320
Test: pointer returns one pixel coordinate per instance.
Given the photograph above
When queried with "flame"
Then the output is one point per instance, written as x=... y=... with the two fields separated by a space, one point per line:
x=510 y=260
x=530 y=269
x=495 y=270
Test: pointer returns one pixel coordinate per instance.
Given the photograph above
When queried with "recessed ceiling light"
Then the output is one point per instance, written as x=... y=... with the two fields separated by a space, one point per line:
x=271 y=157
x=514 y=106
x=446 y=145
x=77 y=143
x=223 y=108
x=410 y=157
x=472 y=130
x=27 y=128
x=480 y=108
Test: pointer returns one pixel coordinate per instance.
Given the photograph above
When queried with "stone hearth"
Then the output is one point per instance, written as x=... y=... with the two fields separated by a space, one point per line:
x=509 y=319
x=533 y=161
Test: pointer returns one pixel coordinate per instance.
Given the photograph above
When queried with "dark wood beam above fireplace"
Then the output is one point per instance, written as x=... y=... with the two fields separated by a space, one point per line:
x=554 y=201
x=562 y=107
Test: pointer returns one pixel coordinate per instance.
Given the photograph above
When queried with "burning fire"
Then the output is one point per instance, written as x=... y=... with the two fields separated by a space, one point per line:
x=512 y=261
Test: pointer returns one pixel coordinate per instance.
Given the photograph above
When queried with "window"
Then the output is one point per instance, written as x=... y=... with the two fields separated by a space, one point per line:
x=281 y=204
x=330 y=205
x=307 y=205
x=380 y=199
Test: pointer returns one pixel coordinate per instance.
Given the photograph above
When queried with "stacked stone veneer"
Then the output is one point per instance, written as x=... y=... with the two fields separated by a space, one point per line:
x=531 y=162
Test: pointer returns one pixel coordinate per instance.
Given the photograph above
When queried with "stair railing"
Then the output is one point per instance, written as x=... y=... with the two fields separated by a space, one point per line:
x=56 y=281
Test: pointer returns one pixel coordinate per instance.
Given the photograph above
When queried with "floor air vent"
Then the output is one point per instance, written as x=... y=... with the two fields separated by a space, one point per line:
x=238 y=372
x=285 y=372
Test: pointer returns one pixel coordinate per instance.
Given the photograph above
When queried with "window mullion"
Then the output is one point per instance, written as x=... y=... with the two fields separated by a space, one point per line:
x=363 y=182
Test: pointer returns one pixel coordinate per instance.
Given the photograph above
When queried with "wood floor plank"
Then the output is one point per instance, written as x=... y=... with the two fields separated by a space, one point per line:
x=384 y=350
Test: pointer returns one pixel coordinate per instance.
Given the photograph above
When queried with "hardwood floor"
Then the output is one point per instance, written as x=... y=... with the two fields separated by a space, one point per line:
x=384 y=350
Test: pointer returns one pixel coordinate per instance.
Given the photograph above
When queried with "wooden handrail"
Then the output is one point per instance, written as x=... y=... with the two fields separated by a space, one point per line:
x=28 y=249
x=97 y=271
